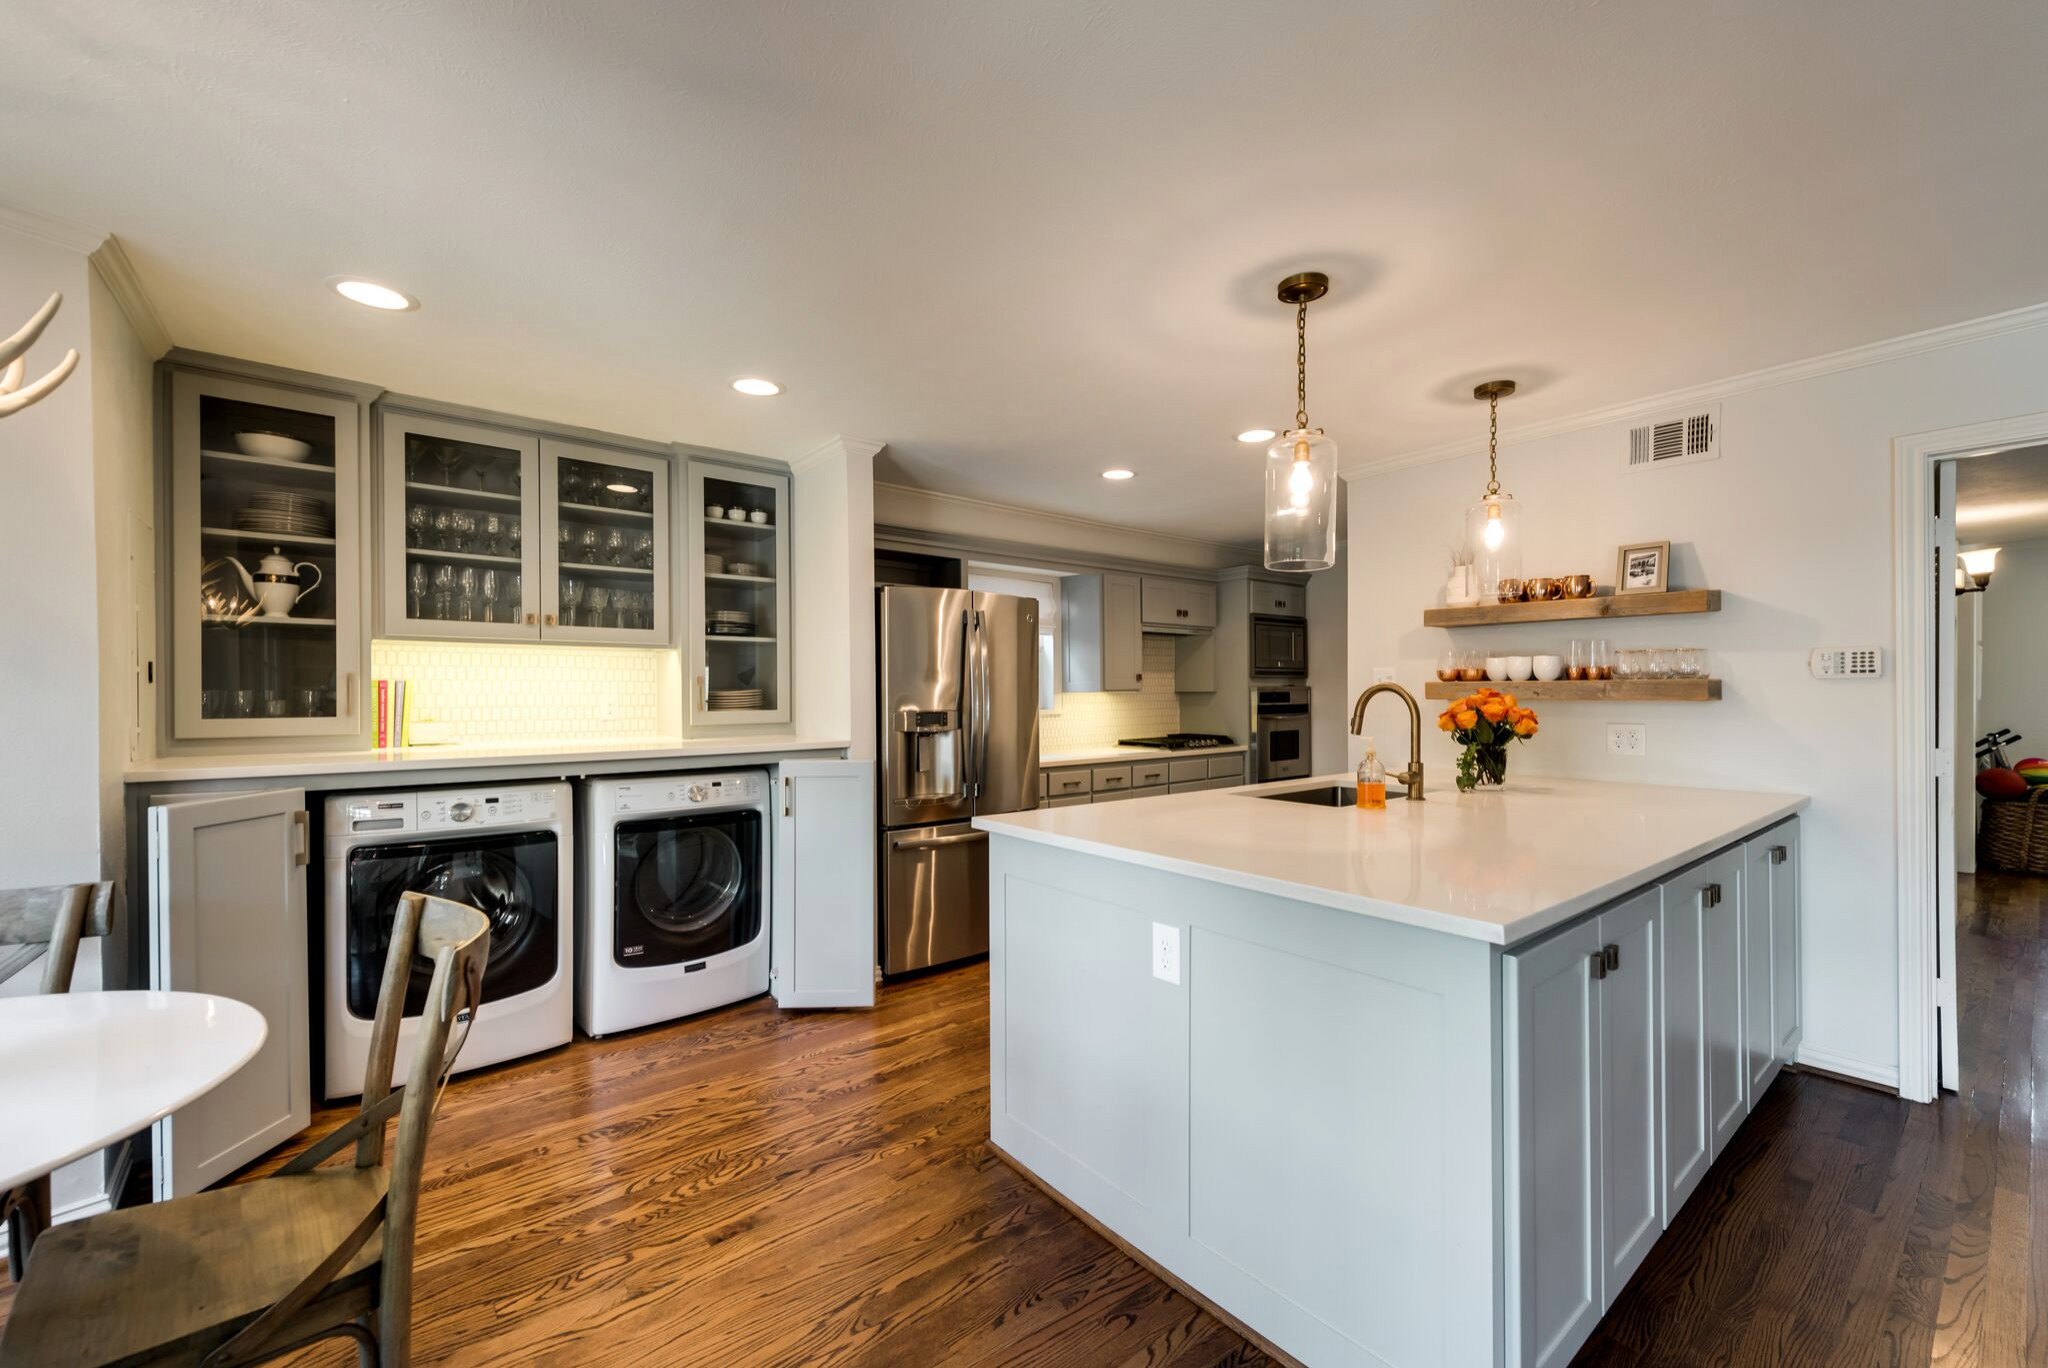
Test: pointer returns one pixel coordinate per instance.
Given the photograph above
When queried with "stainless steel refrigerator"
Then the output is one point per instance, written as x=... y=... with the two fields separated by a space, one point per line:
x=958 y=695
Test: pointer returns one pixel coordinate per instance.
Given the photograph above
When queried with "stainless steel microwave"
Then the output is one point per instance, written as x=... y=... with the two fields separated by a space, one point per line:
x=1279 y=646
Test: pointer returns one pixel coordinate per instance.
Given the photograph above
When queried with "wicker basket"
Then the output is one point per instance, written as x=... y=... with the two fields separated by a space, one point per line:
x=2013 y=837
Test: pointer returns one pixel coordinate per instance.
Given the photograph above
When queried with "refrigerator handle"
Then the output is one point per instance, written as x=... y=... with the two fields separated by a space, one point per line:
x=969 y=775
x=984 y=706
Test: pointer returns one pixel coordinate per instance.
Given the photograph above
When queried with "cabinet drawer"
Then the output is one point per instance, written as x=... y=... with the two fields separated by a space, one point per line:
x=1119 y=796
x=1226 y=766
x=1203 y=785
x=1151 y=774
x=1072 y=800
x=1286 y=600
x=1064 y=783
x=1111 y=778
x=1187 y=771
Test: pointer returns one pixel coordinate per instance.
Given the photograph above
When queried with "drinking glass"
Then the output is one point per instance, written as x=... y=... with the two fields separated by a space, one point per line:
x=575 y=489
x=466 y=603
x=513 y=533
x=1447 y=665
x=419 y=521
x=488 y=588
x=444 y=593
x=1575 y=662
x=418 y=582
x=274 y=706
x=1472 y=666
x=563 y=536
x=449 y=456
x=1599 y=659
x=1659 y=663
x=245 y=702
x=643 y=550
x=212 y=702
x=494 y=535
x=444 y=521
x=596 y=600
x=464 y=524
x=1689 y=662
x=587 y=544
x=615 y=546
x=512 y=597
x=572 y=594
x=309 y=702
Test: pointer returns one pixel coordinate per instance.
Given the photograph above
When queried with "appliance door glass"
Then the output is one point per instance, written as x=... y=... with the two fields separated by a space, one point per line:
x=686 y=888
x=1003 y=673
x=921 y=657
x=1283 y=747
x=935 y=891
x=1279 y=646
x=510 y=877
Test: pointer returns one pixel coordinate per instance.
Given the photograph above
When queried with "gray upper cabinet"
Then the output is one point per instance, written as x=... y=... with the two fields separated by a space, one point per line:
x=263 y=574
x=739 y=640
x=606 y=569
x=1103 y=632
x=1176 y=605
x=461 y=530
x=1279 y=600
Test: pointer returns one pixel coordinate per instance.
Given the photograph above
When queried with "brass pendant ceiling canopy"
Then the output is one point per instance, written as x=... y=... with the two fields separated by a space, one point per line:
x=1301 y=464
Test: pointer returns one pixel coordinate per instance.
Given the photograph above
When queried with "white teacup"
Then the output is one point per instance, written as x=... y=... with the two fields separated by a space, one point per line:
x=1548 y=667
x=1497 y=669
x=1520 y=667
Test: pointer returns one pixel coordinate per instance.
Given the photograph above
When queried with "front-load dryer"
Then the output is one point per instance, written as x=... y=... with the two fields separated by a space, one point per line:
x=503 y=850
x=672 y=916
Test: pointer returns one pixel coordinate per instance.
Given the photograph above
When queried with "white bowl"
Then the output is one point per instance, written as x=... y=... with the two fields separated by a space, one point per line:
x=735 y=515
x=274 y=445
x=1520 y=667
x=1497 y=669
x=759 y=515
x=1548 y=667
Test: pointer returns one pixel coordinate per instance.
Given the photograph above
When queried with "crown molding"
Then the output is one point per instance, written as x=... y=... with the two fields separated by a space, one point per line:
x=76 y=237
x=1792 y=372
x=1091 y=526
x=858 y=448
x=111 y=261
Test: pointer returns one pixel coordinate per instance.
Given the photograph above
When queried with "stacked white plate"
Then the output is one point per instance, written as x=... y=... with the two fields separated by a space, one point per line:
x=736 y=700
x=730 y=622
x=286 y=513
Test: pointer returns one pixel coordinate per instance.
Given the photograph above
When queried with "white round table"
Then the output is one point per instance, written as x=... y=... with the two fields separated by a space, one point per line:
x=79 y=1071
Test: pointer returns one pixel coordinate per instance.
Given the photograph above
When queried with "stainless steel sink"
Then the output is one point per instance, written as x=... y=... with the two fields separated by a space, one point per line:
x=1330 y=795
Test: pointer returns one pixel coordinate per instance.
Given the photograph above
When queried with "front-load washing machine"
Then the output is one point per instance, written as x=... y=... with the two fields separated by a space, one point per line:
x=503 y=850
x=672 y=916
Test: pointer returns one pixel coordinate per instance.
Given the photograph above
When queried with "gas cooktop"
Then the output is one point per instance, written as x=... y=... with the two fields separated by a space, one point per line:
x=1179 y=741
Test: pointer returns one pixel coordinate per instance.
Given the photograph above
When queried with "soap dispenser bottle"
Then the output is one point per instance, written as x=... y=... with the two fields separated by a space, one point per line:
x=1372 y=779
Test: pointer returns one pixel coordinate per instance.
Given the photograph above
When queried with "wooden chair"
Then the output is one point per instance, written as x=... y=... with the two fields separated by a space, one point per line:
x=248 y=1272
x=49 y=922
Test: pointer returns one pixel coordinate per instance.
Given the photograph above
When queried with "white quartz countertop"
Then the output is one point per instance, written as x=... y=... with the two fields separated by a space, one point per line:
x=425 y=759
x=1104 y=755
x=1498 y=866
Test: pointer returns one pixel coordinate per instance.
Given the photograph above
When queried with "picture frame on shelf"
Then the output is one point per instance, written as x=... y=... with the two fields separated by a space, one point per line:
x=1643 y=568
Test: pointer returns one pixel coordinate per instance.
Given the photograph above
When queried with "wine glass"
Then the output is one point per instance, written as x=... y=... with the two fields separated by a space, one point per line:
x=487 y=588
x=643 y=550
x=419 y=521
x=449 y=456
x=572 y=594
x=596 y=599
x=466 y=610
x=464 y=525
x=444 y=593
x=494 y=535
x=615 y=546
x=512 y=597
x=1599 y=659
x=444 y=537
x=513 y=533
x=587 y=543
x=418 y=582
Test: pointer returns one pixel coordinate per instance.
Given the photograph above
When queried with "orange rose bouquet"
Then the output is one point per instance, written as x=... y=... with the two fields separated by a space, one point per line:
x=1484 y=723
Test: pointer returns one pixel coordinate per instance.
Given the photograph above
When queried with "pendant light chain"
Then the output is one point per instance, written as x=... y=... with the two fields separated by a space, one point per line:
x=1492 y=446
x=1301 y=366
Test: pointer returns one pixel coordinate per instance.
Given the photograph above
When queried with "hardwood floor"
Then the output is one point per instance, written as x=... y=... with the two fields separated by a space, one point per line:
x=1844 y=1226
x=761 y=1188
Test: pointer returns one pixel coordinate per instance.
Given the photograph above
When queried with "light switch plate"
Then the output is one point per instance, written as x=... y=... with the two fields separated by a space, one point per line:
x=1166 y=952
x=1846 y=662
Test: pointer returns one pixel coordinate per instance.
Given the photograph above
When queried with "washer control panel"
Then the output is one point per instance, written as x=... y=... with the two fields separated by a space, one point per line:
x=450 y=810
x=685 y=791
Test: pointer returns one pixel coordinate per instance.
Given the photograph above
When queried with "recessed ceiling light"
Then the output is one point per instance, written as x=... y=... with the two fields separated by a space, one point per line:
x=1118 y=474
x=376 y=296
x=756 y=386
x=1256 y=435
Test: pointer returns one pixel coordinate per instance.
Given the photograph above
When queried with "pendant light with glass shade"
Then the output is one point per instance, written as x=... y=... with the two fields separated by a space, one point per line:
x=1301 y=464
x=1493 y=526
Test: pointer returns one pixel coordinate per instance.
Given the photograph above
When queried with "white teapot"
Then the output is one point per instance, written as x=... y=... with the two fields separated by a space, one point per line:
x=275 y=583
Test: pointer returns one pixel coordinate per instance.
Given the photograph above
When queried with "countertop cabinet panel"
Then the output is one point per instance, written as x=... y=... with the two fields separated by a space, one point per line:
x=1716 y=887
x=262 y=470
x=1759 y=1038
x=1552 y=1054
x=822 y=940
x=1682 y=1004
x=1783 y=847
x=1631 y=1135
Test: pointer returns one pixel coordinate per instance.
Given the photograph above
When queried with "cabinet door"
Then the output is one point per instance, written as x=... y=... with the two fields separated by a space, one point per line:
x=262 y=473
x=605 y=567
x=1782 y=847
x=462 y=530
x=1682 y=1009
x=822 y=941
x=1200 y=602
x=1553 y=1133
x=1716 y=886
x=737 y=624
x=227 y=909
x=1631 y=1113
x=1177 y=603
x=1123 y=633
x=1759 y=992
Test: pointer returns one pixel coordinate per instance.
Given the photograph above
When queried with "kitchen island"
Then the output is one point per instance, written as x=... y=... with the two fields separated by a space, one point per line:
x=1416 y=1086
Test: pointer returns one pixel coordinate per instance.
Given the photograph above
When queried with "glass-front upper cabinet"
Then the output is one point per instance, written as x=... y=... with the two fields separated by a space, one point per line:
x=264 y=605
x=738 y=623
x=461 y=530
x=606 y=567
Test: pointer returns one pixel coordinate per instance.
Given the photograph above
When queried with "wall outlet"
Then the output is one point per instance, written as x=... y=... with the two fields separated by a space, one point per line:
x=608 y=708
x=1166 y=952
x=1382 y=675
x=1628 y=738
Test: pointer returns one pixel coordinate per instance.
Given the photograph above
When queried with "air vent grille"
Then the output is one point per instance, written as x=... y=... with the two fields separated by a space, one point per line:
x=1678 y=440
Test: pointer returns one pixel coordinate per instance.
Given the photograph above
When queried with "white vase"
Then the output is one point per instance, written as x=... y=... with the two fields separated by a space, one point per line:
x=1458 y=589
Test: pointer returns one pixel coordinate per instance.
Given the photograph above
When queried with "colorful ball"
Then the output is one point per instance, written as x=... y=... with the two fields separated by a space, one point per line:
x=2034 y=774
x=2032 y=762
x=2001 y=783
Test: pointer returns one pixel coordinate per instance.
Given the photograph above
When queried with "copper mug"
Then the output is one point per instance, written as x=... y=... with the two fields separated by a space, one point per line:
x=1578 y=586
x=1511 y=591
x=1544 y=588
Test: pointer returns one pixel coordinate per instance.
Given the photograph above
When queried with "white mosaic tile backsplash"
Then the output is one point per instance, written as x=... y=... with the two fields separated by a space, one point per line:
x=1089 y=720
x=517 y=694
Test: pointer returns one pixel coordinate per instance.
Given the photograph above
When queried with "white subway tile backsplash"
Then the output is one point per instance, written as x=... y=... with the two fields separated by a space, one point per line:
x=527 y=693
x=1088 y=720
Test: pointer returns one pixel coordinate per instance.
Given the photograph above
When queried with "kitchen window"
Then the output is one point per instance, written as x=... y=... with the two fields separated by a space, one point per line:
x=1043 y=585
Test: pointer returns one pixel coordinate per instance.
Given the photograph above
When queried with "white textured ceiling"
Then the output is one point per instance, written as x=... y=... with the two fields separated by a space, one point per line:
x=2002 y=498
x=1023 y=242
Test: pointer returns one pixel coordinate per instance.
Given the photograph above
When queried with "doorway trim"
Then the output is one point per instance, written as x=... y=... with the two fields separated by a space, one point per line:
x=1913 y=648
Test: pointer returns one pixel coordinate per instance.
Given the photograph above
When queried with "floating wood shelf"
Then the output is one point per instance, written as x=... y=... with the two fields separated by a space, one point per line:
x=1569 y=610
x=1617 y=690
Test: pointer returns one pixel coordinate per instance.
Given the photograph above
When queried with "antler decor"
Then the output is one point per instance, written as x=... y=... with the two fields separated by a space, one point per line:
x=13 y=397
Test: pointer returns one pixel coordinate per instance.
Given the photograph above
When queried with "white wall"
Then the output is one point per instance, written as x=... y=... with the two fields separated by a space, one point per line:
x=1329 y=670
x=1061 y=537
x=1794 y=525
x=2015 y=618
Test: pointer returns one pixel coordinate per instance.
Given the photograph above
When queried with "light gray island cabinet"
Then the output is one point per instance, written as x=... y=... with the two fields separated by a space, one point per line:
x=1413 y=1087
